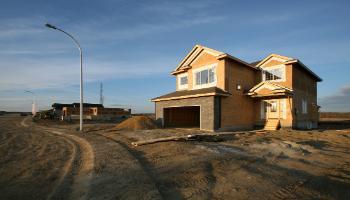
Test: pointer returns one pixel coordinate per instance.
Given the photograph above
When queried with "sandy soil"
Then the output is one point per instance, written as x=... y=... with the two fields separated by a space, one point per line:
x=48 y=160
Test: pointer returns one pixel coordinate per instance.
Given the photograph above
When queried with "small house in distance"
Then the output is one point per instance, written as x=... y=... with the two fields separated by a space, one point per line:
x=217 y=91
x=90 y=111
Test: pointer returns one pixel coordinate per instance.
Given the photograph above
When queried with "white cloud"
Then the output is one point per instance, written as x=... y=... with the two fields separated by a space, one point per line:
x=179 y=8
x=34 y=57
x=338 y=102
x=55 y=73
x=92 y=32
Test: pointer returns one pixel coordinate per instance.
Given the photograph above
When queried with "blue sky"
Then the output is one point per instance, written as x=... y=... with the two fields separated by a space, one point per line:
x=132 y=46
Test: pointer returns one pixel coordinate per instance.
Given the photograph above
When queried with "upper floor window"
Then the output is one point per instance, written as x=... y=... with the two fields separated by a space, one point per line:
x=205 y=77
x=304 y=106
x=183 y=81
x=273 y=74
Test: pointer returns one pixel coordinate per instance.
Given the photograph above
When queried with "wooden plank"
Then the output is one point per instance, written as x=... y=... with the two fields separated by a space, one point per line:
x=198 y=137
x=172 y=138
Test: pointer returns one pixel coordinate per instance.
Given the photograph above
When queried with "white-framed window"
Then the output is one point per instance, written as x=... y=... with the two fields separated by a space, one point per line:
x=273 y=106
x=304 y=106
x=274 y=73
x=205 y=76
x=182 y=80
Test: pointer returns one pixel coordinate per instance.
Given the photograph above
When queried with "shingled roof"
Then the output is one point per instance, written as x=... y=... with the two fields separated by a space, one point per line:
x=254 y=64
x=181 y=94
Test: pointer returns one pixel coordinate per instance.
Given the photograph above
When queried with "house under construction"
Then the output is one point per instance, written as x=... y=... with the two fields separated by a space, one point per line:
x=90 y=111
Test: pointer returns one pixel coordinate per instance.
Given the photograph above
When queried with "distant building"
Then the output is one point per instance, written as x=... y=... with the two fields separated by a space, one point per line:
x=90 y=111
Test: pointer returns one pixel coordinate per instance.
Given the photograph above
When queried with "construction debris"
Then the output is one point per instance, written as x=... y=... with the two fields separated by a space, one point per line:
x=197 y=137
x=137 y=123
x=205 y=137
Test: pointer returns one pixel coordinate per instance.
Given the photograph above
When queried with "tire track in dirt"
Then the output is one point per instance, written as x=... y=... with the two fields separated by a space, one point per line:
x=23 y=122
x=288 y=191
x=80 y=165
x=189 y=182
x=142 y=163
x=83 y=169
x=67 y=167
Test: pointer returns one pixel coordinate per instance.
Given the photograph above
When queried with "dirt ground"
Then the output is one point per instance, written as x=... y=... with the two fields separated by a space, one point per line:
x=53 y=161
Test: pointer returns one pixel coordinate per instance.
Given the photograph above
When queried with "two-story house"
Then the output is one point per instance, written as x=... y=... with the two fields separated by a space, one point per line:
x=217 y=91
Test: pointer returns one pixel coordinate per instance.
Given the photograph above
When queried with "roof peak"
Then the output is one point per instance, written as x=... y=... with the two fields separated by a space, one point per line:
x=197 y=50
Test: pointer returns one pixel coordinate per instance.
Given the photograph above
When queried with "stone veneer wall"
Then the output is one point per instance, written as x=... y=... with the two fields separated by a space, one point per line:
x=208 y=106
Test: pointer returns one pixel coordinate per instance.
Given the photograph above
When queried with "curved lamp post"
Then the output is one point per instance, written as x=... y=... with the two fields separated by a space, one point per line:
x=34 y=102
x=81 y=70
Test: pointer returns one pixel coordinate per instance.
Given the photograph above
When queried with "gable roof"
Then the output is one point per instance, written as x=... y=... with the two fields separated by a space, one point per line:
x=319 y=79
x=182 y=94
x=194 y=53
x=184 y=65
x=199 y=49
x=226 y=55
x=274 y=85
x=271 y=56
x=254 y=64
x=287 y=60
x=276 y=89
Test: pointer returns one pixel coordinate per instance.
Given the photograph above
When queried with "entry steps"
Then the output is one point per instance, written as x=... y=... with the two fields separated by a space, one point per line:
x=272 y=124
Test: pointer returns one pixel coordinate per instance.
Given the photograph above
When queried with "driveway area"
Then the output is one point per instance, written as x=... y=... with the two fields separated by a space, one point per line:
x=49 y=160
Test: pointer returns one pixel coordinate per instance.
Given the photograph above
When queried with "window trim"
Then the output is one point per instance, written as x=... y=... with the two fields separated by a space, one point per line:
x=206 y=67
x=179 y=86
x=283 y=67
x=304 y=106
x=284 y=108
x=274 y=102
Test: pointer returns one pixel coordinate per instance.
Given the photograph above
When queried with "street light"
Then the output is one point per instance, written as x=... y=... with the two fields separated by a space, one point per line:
x=81 y=70
x=34 y=102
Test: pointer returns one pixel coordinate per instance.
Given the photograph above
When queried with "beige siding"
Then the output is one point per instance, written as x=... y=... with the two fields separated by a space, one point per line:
x=237 y=111
x=305 y=87
x=203 y=60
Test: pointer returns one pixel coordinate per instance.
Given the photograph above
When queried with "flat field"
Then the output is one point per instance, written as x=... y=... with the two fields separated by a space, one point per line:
x=50 y=160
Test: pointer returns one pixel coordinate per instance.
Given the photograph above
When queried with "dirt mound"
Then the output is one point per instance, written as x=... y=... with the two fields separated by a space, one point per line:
x=137 y=123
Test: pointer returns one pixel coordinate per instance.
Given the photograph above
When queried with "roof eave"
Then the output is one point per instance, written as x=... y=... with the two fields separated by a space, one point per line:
x=319 y=79
x=271 y=95
x=270 y=56
x=189 y=96
x=225 y=55
x=181 y=70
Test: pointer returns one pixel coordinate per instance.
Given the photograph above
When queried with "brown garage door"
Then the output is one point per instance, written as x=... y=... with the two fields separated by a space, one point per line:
x=187 y=116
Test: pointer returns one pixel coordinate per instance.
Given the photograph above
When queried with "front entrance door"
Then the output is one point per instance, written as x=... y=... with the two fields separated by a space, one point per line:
x=273 y=109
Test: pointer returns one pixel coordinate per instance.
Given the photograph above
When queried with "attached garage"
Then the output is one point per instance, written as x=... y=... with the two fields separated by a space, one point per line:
x=186 y=116
x=190 y=108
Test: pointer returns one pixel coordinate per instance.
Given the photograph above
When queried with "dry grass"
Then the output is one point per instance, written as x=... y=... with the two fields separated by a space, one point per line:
x=337 y=115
